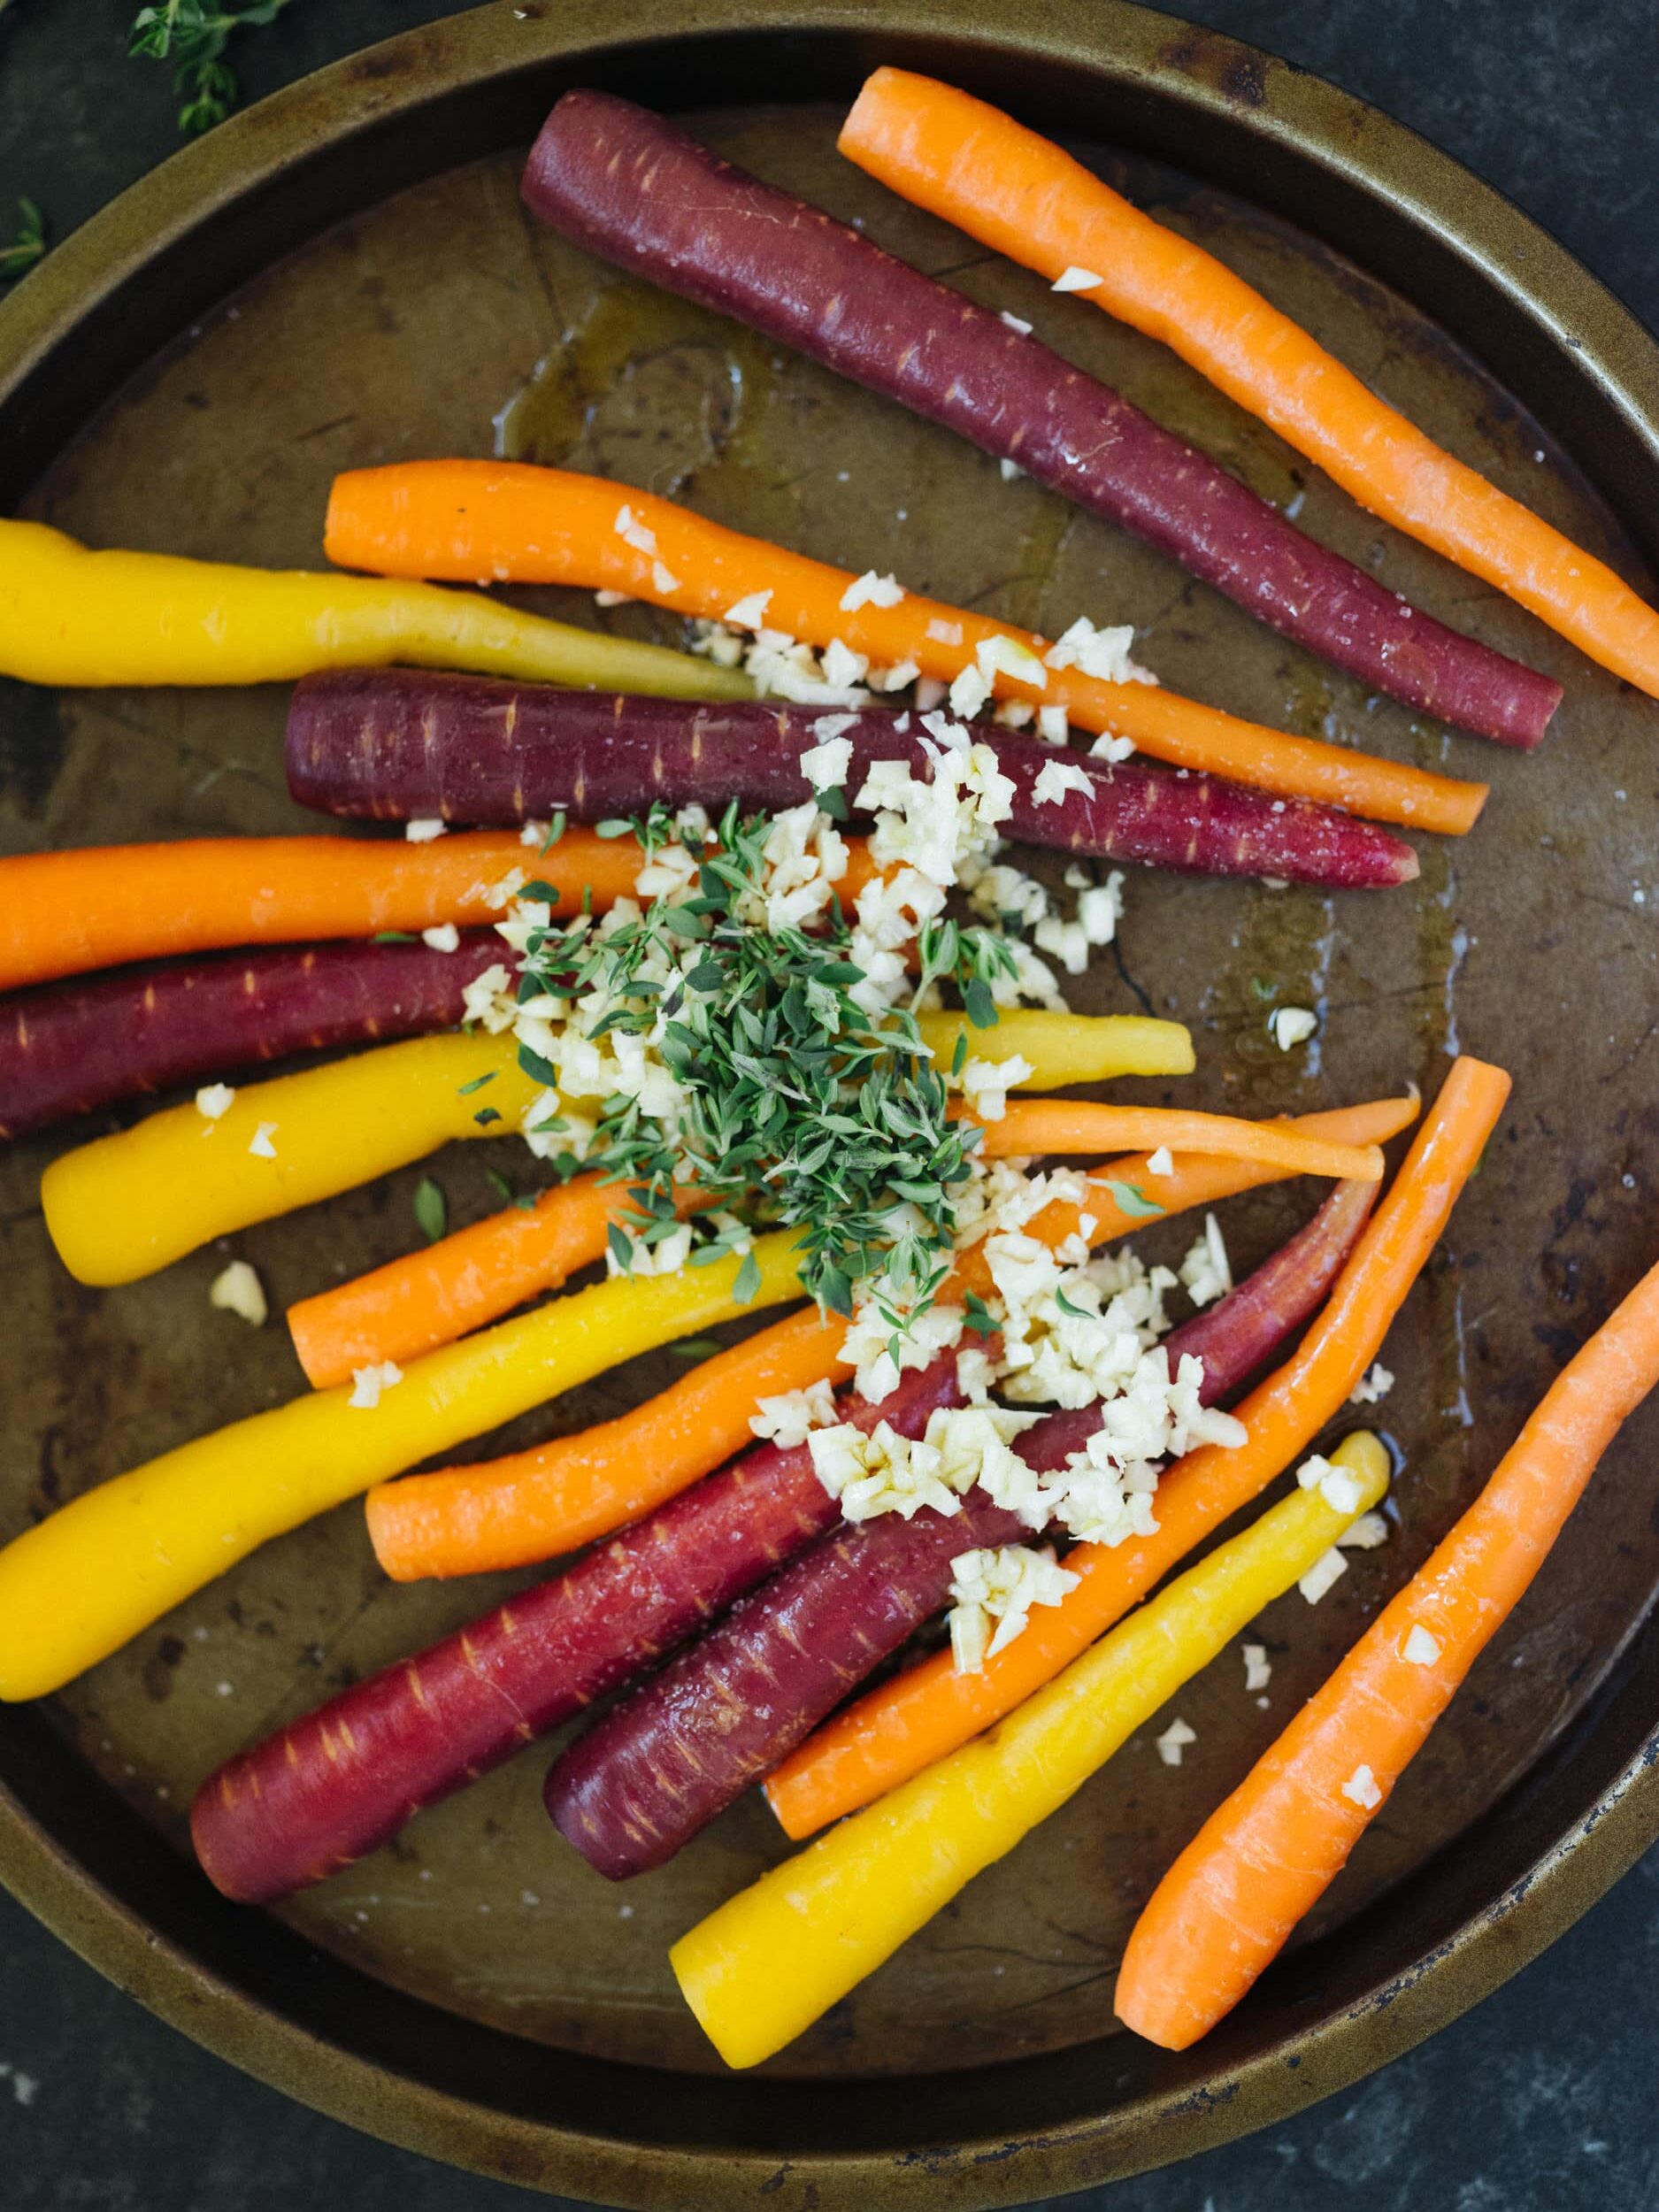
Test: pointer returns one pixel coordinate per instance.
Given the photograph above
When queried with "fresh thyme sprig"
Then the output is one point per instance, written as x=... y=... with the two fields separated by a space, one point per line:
x=192 y=36
x=26 y=245
x=792 y=1089
x=973 y=959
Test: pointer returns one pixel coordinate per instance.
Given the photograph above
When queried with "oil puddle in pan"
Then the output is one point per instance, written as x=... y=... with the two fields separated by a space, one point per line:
x=642 y=387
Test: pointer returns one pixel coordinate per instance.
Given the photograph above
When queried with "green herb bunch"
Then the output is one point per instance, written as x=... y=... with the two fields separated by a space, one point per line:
x=800 y=1107
x=192 y=36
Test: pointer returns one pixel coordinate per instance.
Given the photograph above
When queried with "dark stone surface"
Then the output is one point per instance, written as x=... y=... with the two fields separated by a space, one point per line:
x=1539 y=2102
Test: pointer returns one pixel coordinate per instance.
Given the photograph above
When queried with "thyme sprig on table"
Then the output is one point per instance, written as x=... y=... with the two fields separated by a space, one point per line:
x=192 y=36
x=27 y=245
x=835 y=1117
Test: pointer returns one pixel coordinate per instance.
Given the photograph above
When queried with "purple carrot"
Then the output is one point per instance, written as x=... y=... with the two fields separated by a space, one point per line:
x=396 y=744
x=67 y=1047
x=656 y=1768
x=323 y=1790
x=631 y=187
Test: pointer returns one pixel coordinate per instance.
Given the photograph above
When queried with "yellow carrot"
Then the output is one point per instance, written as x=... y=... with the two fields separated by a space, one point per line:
x=78 y=1585
x=1065 y=1048
x=71 y=616
x=762 y=1968
x=125 y=1205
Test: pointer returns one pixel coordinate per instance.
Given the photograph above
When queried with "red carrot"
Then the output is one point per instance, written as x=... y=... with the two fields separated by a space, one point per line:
x=628 y=184
x=1022 y=195
x=67 y=1047
x=930 y=1710
x=326 y=1789
x=393 y=743
x=643 y=1781
x=519 y=523
x=655 y=1770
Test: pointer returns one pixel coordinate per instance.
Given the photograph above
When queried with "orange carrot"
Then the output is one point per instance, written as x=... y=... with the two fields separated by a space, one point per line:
x=541 y=1502
x=1223 y=1910
x=426 y=1298
x=526 y=525
x=536 y=1504
x=923 y=1714
x=1032 y=1126
x=1005 y=185
x=100 y=906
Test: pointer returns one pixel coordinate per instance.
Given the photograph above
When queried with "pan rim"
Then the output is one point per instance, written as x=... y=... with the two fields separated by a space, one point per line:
x=1253 y=102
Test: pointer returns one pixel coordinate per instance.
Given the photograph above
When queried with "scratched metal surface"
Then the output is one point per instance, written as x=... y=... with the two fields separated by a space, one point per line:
x=442 y=321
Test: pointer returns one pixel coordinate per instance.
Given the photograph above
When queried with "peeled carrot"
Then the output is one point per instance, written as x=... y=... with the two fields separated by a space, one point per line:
x=1223 y=1910
x=772 y=1960
x=526 y=524
x=102 y=905
x=1033 y=1125
x=69 y=615
x=78 y=1584
x=426 y=1298
x=123 y=1206
x=655 y=1769
x=536 y=1504
x=391 y=742
x=926 y=1712
x=976 y=167
x=1060 y=1049
x=325 y=1788
x=630 y=186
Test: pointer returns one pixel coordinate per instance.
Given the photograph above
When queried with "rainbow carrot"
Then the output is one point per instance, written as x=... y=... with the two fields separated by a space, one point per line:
x=526 y=525
x=925 y=1713
x=101 y=906
x=78 y=1584
x=1225 y=1909
x=538 y=1503
x=1005 y=186
x=770 y=1961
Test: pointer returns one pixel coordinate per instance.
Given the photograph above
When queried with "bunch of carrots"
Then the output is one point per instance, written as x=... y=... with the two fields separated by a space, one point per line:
x=705 y=1565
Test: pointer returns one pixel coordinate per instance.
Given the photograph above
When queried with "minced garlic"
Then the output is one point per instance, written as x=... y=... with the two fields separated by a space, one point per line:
x=1361 y=1789
x=1207 y=1271
x=788 y=1419
x=871 y=590
x=1057 y=780
x=237 y=1289
x=992 y=1593
x=1322 y=1576
x=1370 y=1389
x=1365 y=1534
x=1173 y=1741
x=368 y=1383
x=1291 y=1026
